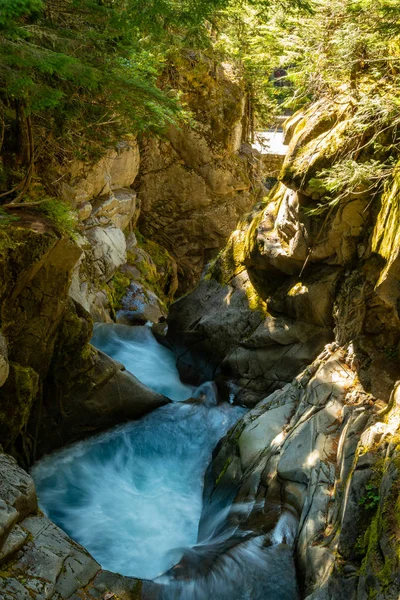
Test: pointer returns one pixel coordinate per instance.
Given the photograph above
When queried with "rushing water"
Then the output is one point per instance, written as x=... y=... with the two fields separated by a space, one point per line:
x=133 y=496
x=142 y=355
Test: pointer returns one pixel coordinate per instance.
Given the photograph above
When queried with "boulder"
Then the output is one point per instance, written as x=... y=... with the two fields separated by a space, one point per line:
x=104 y=395
x=270 y=357
x=117 y=169
x=108 y=251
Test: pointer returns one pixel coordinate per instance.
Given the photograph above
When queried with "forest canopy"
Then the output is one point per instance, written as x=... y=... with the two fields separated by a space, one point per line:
x=77 y=74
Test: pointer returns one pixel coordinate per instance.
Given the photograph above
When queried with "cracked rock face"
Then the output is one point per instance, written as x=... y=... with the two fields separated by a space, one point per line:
x=316 y=447
x=39 y=560
x=323 y=441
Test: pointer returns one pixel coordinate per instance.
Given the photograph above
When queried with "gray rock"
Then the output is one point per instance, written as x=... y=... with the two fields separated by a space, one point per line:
x=51 y=562
x=12 y=589
x=108 y=250
x=15 y=540
x=104 y=395
x=118 y=208
x=16 y=487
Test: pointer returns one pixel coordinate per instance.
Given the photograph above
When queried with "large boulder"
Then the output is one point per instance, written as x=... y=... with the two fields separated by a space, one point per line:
x=218 y=332
x=118 y=169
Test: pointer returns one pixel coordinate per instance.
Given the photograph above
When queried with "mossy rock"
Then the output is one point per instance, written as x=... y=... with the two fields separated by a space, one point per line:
x=16 y=400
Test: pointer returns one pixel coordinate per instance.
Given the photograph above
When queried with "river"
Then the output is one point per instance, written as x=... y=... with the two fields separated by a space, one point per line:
x=133 y=496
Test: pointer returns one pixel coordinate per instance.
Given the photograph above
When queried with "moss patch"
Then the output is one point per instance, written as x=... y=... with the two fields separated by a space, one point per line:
x=16 y=400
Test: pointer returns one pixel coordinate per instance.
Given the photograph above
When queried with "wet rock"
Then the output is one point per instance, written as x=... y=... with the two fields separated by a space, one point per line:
x=110 y=586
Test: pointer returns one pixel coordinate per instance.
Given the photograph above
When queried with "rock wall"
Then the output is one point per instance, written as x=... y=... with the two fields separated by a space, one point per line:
x=54 y=283
x=196 y=183
x=298 y=317
x=54 y=387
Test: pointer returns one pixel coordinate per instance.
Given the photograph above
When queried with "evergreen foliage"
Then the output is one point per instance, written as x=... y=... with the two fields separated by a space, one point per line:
x=77 y=74
x=347 y=52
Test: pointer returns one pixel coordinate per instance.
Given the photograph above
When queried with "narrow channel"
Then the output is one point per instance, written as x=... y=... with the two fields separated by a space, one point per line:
x=133 y=496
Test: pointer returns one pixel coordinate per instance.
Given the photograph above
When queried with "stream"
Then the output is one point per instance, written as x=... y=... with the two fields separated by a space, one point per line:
x=133 y=496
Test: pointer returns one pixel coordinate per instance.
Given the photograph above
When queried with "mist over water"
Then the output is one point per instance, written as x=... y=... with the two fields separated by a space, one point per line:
x=133 y=496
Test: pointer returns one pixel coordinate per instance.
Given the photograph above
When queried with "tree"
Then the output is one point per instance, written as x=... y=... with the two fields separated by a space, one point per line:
x=74 y=75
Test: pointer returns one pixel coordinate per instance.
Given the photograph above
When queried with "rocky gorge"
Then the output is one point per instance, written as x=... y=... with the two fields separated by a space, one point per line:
x=292 y=312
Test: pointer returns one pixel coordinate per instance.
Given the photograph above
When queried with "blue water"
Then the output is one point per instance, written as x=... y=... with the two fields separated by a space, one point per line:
x=133 y=496
x=142 y=355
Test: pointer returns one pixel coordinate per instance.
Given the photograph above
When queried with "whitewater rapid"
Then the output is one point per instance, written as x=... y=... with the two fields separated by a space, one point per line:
x=133 y=496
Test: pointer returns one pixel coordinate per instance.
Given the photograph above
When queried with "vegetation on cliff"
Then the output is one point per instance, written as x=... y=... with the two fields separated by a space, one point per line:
x=346 y=55
x=76 y=75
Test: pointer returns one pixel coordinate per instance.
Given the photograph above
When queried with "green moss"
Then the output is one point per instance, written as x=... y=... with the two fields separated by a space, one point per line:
x=16 y=401
x=60 y=214
x=117 y=288
x=157 y=274
x=224 y=470
x=385 y=522
x=230 y=261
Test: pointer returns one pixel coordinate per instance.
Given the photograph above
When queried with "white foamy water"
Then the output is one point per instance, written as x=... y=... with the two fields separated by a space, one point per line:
x=234 y=565
x=134 y=494
x=142 y=355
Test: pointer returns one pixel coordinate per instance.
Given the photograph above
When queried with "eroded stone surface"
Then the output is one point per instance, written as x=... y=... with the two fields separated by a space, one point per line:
x=17 y=489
